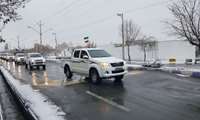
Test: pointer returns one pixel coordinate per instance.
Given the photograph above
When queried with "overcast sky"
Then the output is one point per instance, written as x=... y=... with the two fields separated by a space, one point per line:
x=74 y=19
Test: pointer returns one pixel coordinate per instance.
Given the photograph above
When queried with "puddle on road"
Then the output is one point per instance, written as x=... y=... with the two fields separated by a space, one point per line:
x=47 y=82
x=38 y=78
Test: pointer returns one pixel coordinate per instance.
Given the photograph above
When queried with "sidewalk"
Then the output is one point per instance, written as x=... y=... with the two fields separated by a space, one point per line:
x=189 y=70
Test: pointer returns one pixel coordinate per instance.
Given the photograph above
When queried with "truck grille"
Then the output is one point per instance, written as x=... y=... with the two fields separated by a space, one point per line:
x=38 y=61
x=117 y=64
x=118 y=71
x=21 y=59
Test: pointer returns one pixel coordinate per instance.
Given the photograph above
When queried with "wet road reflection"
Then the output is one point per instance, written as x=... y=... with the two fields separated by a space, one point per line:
x=52 y=76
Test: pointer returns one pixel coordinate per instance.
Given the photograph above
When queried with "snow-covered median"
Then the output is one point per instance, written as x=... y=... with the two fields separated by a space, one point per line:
x=182 y=70
x=54 y=60
x=35 y=101
x=134 y=67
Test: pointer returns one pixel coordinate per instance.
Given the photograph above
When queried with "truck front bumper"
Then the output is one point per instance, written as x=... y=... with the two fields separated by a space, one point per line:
x=38 y=63
x=113 y=75
x=113 y=72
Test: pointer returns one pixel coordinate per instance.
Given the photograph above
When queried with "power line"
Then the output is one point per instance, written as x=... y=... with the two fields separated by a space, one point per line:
x=111 y=16
x=60 y=11
x=86 y=2
x=77 y=15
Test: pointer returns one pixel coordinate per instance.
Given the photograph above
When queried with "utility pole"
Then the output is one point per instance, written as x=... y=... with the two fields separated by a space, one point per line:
x=40 y=32
x=123 y=42
x=56 y=42
x=40 y=25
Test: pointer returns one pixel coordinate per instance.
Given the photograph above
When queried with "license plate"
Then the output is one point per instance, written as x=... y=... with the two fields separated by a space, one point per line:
x=118 y=69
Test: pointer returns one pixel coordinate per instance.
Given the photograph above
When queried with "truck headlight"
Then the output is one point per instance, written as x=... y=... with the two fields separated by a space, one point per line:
x=32 y=61
x=104 y=66
x=44 y=60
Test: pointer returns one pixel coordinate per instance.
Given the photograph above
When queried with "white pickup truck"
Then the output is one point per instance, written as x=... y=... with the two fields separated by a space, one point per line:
x=35 y=60
x=96 y=64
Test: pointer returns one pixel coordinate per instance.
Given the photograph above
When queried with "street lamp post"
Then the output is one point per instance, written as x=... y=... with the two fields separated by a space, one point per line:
x=39 y=32
x=122 y=17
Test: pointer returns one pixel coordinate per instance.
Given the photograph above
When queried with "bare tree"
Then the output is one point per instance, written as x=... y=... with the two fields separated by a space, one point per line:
x=131 y=33
x=146 y=43
x=8 y=11
x=186 y=23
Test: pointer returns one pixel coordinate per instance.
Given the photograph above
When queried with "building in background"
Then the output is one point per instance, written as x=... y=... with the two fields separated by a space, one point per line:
x=164 y=50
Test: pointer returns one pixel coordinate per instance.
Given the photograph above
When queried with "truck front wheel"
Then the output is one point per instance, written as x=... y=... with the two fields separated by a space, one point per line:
x=44 y=67
x=68 y=72
x=118 y=79
x=94 y=76
x=26 y=66
x=30 y=67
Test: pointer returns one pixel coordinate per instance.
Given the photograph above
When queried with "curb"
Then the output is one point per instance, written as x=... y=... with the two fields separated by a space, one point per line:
x=196 y=74
x=131 y=68
x=23 y=104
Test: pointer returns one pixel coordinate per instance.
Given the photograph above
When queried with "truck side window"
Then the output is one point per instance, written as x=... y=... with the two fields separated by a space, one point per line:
x=76 y=54
x=83 y=53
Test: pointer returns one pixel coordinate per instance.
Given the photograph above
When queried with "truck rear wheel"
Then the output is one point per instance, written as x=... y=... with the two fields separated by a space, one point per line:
x=94 y=77
x=68 y=72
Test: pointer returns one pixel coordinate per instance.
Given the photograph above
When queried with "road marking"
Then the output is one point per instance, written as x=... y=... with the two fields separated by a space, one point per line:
x=108 y=101
x=181 y=75
x=73 y=82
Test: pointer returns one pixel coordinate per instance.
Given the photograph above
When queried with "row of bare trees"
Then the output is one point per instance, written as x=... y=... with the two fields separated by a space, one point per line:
x=186 y=21
x=185 y=25
x=134 y=36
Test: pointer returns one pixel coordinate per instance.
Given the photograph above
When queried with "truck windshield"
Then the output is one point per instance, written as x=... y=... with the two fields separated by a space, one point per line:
x=98 y=53
x=35 y=55
x=20 y=55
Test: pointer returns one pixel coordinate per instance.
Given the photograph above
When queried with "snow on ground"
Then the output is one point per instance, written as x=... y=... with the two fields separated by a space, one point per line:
x=39 y=104
x=134 y=65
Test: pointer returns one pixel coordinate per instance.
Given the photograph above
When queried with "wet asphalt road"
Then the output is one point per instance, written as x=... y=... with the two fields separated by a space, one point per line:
x=144 y=95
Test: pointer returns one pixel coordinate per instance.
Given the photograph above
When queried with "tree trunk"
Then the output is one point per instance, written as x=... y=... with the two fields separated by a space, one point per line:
x=145 y=55
x=129 y=57
x=198 y=51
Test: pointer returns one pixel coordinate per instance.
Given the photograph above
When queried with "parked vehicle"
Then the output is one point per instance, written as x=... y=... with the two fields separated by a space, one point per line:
x=188 y=61
x=10 y=57
x=197 y=60
x=35 y=60
x=153 y=64
x=20 y=58
x=96 y=64
x=4 y=56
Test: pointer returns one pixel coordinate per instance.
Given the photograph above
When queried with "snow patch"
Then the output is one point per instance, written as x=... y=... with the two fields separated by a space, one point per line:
x=134 y=66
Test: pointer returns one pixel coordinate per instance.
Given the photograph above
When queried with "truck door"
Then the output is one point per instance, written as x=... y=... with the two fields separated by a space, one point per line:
x=84 y=65
x=75 y=61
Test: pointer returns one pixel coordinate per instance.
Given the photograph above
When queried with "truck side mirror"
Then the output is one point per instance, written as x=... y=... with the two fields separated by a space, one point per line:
x=85 y=57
